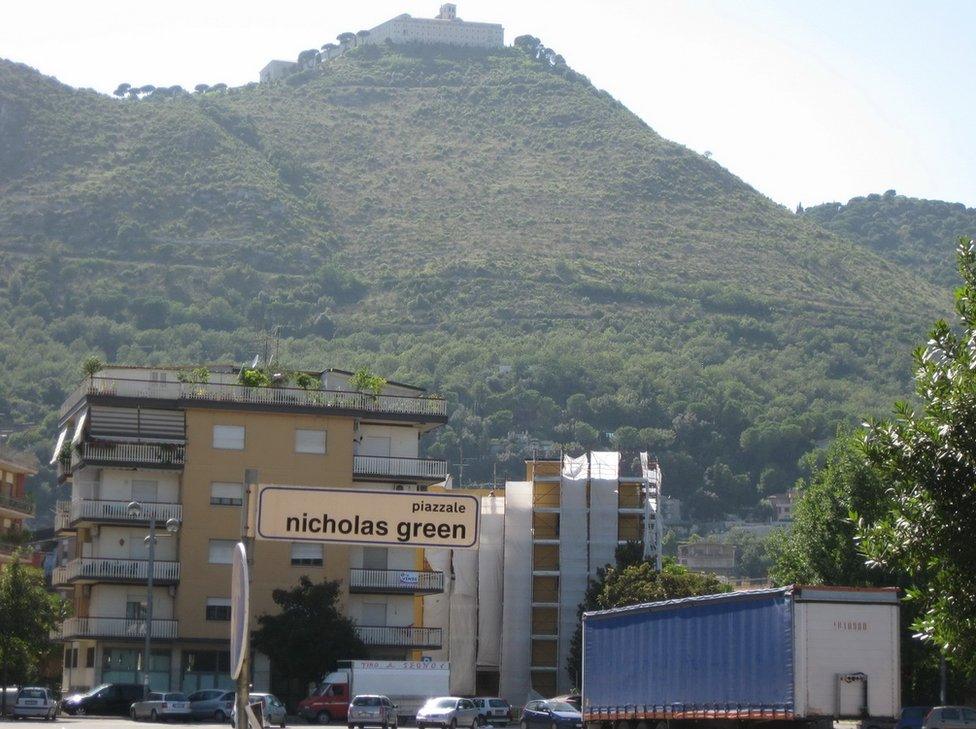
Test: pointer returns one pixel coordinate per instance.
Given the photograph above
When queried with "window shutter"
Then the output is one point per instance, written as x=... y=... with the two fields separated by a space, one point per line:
x=309 y=441
x=228 y=437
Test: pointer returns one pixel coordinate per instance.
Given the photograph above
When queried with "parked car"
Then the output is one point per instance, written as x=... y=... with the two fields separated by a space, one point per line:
x=911 y=717
x=35 y=701
x=161 y=706
x=449 y=712
x=110 y=698
x=950 y=717
x=574 y=700
x=493 y=710
x=371 y=710
x=550 y=714
x=215 y=704
x=274 y=710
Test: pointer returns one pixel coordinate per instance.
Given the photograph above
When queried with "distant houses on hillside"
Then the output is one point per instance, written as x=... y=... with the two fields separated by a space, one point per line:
x=447 y=28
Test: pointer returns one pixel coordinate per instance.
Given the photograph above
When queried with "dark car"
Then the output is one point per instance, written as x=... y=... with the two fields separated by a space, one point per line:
x=550 y=714
x=912 y=716
x=107 y=699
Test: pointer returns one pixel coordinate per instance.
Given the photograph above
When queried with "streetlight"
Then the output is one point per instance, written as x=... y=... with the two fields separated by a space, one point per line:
x=172 y=526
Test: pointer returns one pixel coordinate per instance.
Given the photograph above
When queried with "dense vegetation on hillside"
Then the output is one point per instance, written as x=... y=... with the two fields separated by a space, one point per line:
x=920 y=234
x=483 y=223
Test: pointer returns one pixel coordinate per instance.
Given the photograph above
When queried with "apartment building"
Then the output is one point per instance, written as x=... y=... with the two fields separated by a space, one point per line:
x=15 y=507
x=179 y=449
x=446 y=28
x=713 y=557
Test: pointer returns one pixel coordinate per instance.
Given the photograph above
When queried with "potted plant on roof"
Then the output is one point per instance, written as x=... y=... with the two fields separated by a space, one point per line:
x=366 y=382
x=91 y=367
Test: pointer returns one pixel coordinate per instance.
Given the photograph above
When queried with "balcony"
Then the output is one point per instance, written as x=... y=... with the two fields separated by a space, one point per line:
x=93 y=569
x=395 y=582
x=69 y=514
x=116 y=628
x=16 y=507
x=425 y=408
x=130 y=455
x=393 y=468
x=389 y=636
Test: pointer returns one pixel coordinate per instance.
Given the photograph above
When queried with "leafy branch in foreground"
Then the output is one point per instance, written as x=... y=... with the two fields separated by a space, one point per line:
x=928 y=458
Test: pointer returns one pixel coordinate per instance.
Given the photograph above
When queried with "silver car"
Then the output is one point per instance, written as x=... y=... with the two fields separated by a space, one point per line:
x=274 y=710
x=35 y=701
x=449 y=712
x=216 y=704
x=161 y=706
x=372 y=710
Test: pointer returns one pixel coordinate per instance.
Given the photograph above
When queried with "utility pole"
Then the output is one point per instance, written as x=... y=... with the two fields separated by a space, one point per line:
x=243 y=683
x=149 y=602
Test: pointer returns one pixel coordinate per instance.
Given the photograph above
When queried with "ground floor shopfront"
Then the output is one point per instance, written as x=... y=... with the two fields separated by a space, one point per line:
x=172 y=667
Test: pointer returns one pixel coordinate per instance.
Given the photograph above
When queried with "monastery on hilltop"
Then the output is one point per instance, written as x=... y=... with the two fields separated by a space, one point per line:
x=446 y=28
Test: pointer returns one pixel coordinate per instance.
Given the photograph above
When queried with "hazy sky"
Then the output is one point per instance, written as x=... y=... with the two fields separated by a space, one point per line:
x=808 y=102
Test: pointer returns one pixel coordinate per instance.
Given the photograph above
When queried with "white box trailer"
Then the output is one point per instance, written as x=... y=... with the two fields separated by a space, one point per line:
x=794 y=654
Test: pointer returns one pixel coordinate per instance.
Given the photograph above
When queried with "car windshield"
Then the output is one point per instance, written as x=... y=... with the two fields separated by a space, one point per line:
x=442 y=703
x=498 y=703
x=366 y=701
x=32 y=693
x=561 y=706
x=97 y=689
x=175 y=697
x=913 y=712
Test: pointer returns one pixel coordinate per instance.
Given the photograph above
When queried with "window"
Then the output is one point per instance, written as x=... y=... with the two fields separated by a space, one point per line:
x=90 y=657
x=74 y=658
x=950 y=714
x=135 y=607
x=226 y=494
x=303 y=553
x=228 y=437
x=221 y=551
x=309 y=441
x=218 y=608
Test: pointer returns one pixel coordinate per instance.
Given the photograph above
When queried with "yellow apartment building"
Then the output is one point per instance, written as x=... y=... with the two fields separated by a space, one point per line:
x=179 y=450
x=15 y=507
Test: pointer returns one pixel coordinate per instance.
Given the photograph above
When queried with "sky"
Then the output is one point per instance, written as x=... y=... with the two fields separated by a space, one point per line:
x=808 y=102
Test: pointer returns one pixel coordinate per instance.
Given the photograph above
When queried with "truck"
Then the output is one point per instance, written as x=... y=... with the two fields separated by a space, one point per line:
x=408 y=684
x=785 y=656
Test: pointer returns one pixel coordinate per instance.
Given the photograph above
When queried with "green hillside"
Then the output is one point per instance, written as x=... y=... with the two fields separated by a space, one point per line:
x=478 y=222
x=919 y=234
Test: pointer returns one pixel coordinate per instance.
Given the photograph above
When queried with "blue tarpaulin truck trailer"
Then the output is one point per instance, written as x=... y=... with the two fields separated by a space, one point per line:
x=787 y=654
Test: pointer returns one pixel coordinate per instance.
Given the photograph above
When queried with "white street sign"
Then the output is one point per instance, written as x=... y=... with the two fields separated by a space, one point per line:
x=240 y=608
x=357 y=516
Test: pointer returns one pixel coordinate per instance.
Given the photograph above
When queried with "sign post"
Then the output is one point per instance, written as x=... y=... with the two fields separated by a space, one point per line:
x=240 y=609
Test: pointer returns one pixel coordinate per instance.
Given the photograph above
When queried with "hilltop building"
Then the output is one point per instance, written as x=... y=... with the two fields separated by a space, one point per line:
x=447 y=28
x=15 y=507
x=179 y=449
x=713 y=557
x=510 y=612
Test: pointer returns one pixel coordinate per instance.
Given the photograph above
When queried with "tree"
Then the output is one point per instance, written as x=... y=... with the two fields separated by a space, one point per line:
x=28 y=613
x=122 y=89
x=927 y=458
x=821 y=546
x=91 y=367
x=308 y=58
x=310 y=635
x=345 y=38
x=219 y=88
x=147 y=89
x=201 y=88
x=361 y=36
x=365 y=381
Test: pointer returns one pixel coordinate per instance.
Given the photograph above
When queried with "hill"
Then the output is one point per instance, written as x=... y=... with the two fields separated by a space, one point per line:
x=484 y=223
x=917 y=234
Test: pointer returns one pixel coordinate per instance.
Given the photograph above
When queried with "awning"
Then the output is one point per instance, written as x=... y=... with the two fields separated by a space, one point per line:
x=58 y=446
x=79 y=428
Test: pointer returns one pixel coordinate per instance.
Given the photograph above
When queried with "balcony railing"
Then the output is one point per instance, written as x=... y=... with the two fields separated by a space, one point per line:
x=119 y=628
x=157 y=455
x=23 y=507
x=409 y=582
x=116 y=570
x=71 y=512
x=388 y=636
x=274 y=396
x=428 y=469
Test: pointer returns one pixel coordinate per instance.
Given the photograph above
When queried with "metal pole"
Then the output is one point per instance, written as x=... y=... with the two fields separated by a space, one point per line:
x=942 y=681
x=659 y=520
x=243 y=684
x=149 y=603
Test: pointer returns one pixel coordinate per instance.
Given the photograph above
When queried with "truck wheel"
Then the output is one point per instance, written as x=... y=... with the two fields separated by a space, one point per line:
x=323 y=717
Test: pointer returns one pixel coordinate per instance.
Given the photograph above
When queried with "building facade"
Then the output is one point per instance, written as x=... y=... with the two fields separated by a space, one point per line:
x=446 y=28
x=179 y=449
x=713 y=557
x=15 y=506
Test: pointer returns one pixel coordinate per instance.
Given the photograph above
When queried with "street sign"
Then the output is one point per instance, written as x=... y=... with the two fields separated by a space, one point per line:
x=357 y=516
x=240 y=608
